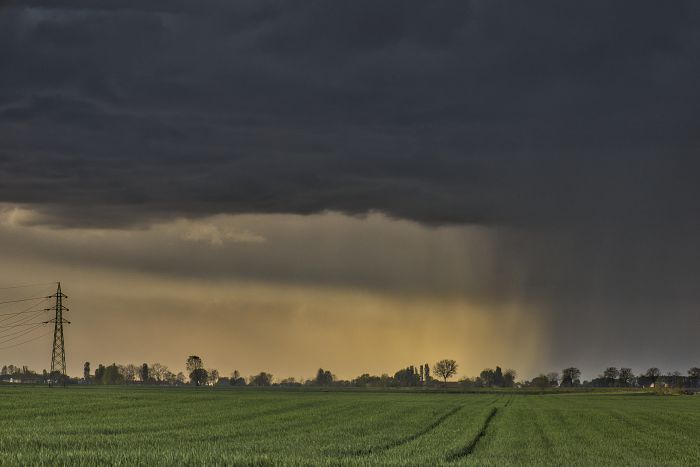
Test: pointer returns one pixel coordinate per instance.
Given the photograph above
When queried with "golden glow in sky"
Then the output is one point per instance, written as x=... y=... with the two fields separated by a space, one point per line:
x=284 y=294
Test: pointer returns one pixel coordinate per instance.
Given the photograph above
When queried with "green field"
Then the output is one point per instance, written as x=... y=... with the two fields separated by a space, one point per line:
x=176 y=426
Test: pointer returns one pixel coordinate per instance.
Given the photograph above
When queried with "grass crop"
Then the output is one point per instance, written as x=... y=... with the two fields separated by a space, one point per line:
x=193 y=426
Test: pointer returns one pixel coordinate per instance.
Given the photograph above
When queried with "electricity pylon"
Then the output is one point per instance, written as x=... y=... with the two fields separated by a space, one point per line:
x=58 y=354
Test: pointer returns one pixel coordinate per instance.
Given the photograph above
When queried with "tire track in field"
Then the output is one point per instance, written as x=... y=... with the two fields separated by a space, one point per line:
x=541 y=433
x=406 y=439
x=469 y=448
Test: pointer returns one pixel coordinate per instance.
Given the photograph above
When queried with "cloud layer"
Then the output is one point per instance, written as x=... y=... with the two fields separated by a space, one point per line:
x=542 y=152
x=441 y=112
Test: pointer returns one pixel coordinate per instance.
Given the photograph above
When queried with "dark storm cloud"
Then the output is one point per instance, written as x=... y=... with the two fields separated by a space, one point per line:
x=574 y=122
x=441 y=112
x=571 y=128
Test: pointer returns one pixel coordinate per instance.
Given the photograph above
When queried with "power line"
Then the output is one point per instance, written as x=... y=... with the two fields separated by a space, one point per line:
x=21 y=319
x=23 y=325
x=21 y=286
x=29 y=309
x=21 y=300
x=29 y=340
x=23 y=333
x=26 y=325
x=19 y=333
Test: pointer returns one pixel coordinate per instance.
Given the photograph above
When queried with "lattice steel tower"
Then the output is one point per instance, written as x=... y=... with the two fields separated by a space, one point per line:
x=58 y=354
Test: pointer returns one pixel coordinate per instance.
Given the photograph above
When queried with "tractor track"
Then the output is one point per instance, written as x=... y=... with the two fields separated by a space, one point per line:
x=469 y=448
x=407 y=439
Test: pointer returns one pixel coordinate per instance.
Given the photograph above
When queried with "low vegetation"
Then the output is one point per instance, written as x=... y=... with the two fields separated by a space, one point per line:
x=411 y=376
x=188 y=425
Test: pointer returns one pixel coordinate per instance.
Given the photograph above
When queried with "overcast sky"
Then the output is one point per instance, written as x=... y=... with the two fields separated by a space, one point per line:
x=357 y=185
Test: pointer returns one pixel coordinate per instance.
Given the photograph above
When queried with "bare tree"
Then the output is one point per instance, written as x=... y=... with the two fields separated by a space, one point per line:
x=626 y=377
x=261 y=379
x=158 y=371
x=509 y=377
x=541 y=381
x=445 y=369
x=653 y=374
x=195 y=368
x=611 y=373
x=236 y=379
x=675 y=379
x=570 y=377
x=170 y=378
x=487 y=376
x=144 y=373
x=129 y=371
x=193 y=362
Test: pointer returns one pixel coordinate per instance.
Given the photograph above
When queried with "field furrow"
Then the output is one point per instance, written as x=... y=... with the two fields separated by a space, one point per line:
x=188 y=426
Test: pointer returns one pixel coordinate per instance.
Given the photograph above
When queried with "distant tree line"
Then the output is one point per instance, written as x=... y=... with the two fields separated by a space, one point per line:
x=197 y=374
x=12 y=373
x=613 y=377
x=490 y=378
x=410 y=376
x=155 y=373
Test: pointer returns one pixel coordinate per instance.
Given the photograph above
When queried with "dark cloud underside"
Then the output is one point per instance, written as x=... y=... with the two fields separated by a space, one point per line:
x=441 y=112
